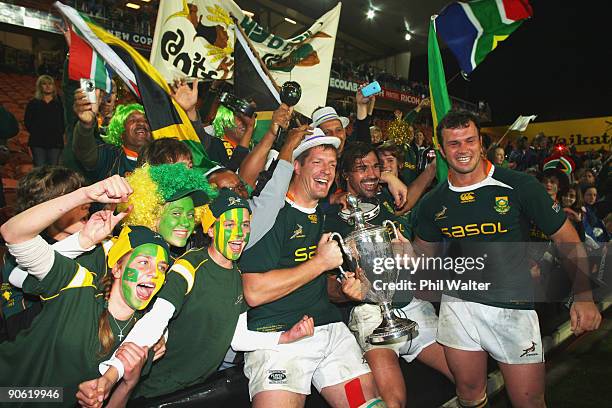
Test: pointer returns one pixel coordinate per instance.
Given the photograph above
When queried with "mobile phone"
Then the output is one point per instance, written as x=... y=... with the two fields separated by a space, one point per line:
x=89 y=87
x=431 y=155
x=371 y=89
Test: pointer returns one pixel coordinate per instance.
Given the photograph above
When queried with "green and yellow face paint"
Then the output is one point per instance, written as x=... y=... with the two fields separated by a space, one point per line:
x=177 y=221
x=143 y=275
x=232 y=231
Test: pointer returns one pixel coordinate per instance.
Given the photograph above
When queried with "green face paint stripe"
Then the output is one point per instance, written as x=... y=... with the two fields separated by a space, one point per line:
x=131 y=275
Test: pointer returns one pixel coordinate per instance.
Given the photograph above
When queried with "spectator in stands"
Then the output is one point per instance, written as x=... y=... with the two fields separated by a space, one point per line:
x=165 y=151
x=77 y=328
x=128 y=132
x=235 y=133
x=524 y=155
x=541 y=147
x=593 y=225
x=586 y=177
x=376 y=134
x=497 y=156
x=328 y=120
x=40 y=185
x=44 y=120
x=225 y=178
x=9 y=127
x=574 y=209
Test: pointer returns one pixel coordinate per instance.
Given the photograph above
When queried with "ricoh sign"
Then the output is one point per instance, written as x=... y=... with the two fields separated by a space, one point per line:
x=398 y=96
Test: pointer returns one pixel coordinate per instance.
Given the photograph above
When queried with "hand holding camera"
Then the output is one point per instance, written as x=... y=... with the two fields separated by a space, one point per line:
x=366 y=92
x=86 y=102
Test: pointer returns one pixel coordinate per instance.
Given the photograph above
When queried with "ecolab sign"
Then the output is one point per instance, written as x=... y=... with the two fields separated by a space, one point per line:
x=343 y=85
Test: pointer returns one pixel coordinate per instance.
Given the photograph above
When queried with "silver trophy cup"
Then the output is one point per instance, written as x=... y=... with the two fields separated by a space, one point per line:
x=362 y=246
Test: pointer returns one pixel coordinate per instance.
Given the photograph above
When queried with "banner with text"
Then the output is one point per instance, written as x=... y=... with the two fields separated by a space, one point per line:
x=585 y=134
x=386 y=93
x=197 y=40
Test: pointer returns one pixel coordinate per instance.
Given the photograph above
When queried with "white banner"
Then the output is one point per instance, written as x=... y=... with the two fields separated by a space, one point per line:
x=197 y=39
x=194 y=39
x=522 y=122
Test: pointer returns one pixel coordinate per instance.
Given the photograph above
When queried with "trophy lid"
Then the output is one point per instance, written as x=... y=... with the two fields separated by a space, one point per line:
x=370 y=211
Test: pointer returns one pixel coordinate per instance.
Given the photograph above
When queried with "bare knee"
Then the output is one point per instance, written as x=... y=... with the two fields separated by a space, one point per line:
x=470 y=391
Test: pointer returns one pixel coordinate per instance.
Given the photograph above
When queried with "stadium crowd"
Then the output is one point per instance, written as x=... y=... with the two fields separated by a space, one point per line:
x=131 y=270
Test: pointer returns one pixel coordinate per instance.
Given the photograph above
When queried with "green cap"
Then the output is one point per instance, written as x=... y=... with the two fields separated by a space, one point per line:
x=227 y=200
x=133 y=236
x=199 y=197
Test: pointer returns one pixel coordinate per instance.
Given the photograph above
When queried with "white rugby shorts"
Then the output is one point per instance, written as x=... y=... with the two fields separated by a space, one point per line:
x=366 y=317
x=510 y=336
x=329 y=357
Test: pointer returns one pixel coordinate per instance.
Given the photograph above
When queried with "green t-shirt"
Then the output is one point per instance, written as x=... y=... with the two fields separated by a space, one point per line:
x=208 y=300
x=61 y=348
x=292 y=240
x=408 y=171
x=499 y=209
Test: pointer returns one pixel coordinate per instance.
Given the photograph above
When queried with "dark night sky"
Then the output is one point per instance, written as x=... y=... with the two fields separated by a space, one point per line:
x=556 y=65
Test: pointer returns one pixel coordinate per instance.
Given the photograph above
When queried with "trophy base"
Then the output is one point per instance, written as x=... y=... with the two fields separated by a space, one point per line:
x=392 y=327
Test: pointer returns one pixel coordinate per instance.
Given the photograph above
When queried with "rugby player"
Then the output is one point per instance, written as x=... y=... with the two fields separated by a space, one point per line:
x=483 y=202
x=360 y=175
x=284 y=279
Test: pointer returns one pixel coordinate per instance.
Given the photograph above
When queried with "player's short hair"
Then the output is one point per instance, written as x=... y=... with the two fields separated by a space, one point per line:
x=457 y=119
x=353 y=152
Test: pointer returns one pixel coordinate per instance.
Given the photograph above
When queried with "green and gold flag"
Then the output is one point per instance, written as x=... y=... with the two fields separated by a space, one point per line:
x=166 y=118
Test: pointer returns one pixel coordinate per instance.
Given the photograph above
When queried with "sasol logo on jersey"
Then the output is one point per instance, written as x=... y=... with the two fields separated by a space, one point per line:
x=313 y=218
x=467 y=197
x=469 y=230
x=304 y=254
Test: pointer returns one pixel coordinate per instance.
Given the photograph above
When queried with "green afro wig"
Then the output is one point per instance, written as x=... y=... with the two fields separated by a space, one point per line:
x=154 y=185
x=116 y=126
x=223 y=119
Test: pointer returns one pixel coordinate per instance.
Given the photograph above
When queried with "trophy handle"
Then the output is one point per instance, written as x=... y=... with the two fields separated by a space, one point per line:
x=395 y=231
x=343 y=246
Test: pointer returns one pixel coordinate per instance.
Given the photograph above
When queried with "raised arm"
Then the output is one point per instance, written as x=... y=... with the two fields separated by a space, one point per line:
x=254 y=162
x=84 y=143
x=31 y=222
x=418 y=187
x=21 y=232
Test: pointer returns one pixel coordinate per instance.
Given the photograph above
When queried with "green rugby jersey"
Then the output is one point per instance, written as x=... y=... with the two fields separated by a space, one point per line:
x=61 y=348
x=292 y=240
x=208 y=300
x=498 y=209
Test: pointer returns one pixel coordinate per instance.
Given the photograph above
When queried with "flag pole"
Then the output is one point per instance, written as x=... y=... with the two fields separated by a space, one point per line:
x=502 y=138
x=256 y=54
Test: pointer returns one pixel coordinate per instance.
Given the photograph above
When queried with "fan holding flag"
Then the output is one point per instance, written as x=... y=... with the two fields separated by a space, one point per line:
x=164 y=117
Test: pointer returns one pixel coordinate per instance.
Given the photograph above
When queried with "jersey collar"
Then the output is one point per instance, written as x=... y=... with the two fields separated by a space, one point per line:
x=488 y=180
x=289 y=198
